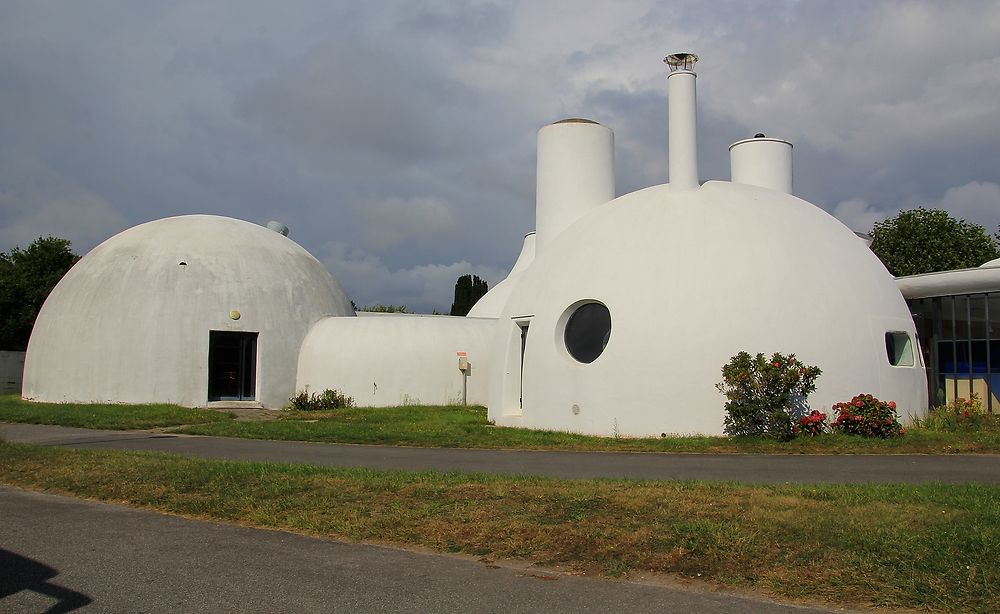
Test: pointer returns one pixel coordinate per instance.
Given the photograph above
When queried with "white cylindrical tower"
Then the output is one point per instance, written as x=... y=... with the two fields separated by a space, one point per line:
x=682 y=132
x=763 y=162
x=576 y=172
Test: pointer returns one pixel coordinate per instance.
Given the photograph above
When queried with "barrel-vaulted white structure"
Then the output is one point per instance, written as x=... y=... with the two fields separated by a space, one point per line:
x=184 y=310
x=399 y=359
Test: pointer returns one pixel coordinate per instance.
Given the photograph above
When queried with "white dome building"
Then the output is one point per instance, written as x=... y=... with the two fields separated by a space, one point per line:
x=631 y=307
x=184 y=310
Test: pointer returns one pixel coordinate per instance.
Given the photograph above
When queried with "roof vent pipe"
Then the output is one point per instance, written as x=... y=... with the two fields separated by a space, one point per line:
x=277 y=227
x=576 y=172
x=682 y=130
x=762 y=161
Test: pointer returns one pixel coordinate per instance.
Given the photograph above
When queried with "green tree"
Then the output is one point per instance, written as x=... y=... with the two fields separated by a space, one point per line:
x=468 y=290
x=26 y=278
x=927 y=240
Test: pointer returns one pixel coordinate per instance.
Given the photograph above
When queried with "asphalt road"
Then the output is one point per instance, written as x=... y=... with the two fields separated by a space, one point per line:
x=904 y=468
x=59 y=554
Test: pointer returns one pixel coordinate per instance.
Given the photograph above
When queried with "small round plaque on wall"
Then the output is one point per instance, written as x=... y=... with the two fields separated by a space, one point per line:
x=234 y=315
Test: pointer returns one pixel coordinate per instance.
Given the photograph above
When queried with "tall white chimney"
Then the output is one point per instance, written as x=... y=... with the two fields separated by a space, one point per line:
x=576 y=172
x=682 y=131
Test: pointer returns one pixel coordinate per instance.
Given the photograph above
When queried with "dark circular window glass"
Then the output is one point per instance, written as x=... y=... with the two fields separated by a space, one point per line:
x=588 y=331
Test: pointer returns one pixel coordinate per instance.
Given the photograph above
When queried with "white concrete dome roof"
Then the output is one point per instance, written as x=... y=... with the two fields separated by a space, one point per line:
x=691 y=278
x=130 y=322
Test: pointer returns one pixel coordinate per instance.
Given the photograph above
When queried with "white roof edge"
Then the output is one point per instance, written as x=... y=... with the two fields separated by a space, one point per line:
x=943 y=283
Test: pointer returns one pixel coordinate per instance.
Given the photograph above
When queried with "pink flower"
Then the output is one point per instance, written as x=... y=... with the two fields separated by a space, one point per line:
x=858 y=404
x=892 y=405
x=776 y=363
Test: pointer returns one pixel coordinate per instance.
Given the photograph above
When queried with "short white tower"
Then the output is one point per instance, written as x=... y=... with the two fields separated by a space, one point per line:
x=576 y=172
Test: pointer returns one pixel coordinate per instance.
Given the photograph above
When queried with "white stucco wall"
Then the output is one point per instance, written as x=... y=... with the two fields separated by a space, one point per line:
x=11 y=370
x=129 y=323
x=491 y=304
x=397 y=359
x=691 y=278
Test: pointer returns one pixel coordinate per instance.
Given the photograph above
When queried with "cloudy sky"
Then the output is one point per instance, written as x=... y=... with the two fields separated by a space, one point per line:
x=397 y=139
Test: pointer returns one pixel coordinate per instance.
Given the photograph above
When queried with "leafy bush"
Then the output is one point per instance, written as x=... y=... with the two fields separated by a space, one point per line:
x=765 y=395
x=328 y=399
x=812 y=425
x=867 y=416
x=958 y=415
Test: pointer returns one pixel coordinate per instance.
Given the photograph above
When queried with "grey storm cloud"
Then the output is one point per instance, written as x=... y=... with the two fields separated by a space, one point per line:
x=396 y=138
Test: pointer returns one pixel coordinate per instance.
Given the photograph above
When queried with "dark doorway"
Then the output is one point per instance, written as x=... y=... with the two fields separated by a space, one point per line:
x=232 y=366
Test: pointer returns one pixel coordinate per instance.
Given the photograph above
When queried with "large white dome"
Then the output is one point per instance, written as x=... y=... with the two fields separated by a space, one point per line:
x=690 y=278
x=132 y=321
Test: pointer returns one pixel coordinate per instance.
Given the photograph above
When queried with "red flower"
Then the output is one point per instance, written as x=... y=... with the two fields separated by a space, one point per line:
x=892 y=405
x=858 y=404
x=776 y=363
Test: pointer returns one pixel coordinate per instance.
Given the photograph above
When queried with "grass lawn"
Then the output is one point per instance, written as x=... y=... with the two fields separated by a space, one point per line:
x=102 y=416
x=457 y=426
x=929 y=547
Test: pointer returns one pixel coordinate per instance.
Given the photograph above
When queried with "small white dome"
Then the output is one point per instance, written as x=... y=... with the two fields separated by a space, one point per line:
x=691 y=278
x=131 y=321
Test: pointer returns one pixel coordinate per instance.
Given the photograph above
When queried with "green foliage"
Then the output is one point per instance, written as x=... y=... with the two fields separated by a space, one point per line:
x=468 y=290
x=958 y=415
x=765 y=396
x=328 y=399
x=26 y=278
x=380 y=308
x=867 y=416
x=105 y=416
x=927 y=240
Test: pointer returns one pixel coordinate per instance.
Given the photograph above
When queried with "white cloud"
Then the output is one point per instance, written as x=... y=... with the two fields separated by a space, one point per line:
x=977 y=202
x=36 y=201
x=393 y=221
x=422 y=288
x=858 y=215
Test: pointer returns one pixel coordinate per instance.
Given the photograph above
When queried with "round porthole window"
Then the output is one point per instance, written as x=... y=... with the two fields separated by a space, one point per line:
x=588 y=331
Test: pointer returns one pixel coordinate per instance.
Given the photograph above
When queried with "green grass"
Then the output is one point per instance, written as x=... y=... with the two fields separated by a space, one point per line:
x=467 y=427
x=927 y=547
x=457 y=426
x=102 y=416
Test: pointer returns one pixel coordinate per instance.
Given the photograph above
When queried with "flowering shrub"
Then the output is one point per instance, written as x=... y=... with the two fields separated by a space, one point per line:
x=811 y=425
x=959 y=414
x=867 y=416
x=766 y=395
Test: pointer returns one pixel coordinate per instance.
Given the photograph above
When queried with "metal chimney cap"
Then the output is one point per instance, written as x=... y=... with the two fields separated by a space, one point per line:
x=681 y=61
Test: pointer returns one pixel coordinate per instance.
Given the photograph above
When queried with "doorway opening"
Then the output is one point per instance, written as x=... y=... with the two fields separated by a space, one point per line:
x=232 y=366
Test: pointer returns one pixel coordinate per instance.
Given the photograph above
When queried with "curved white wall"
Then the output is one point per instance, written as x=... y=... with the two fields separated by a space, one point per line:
x=491 y=304
x=691 y=278
x=576 y=172
x=397 y=359
x=763 y=162
x=130 y=324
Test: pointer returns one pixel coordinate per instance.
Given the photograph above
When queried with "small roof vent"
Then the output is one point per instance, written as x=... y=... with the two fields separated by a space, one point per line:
x=681 y=61
x=277 y=227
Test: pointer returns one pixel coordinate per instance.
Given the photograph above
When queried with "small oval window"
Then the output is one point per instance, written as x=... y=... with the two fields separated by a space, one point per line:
x=588 y=331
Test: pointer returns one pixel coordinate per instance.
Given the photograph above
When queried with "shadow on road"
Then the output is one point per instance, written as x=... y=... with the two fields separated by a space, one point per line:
x=18 y=573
